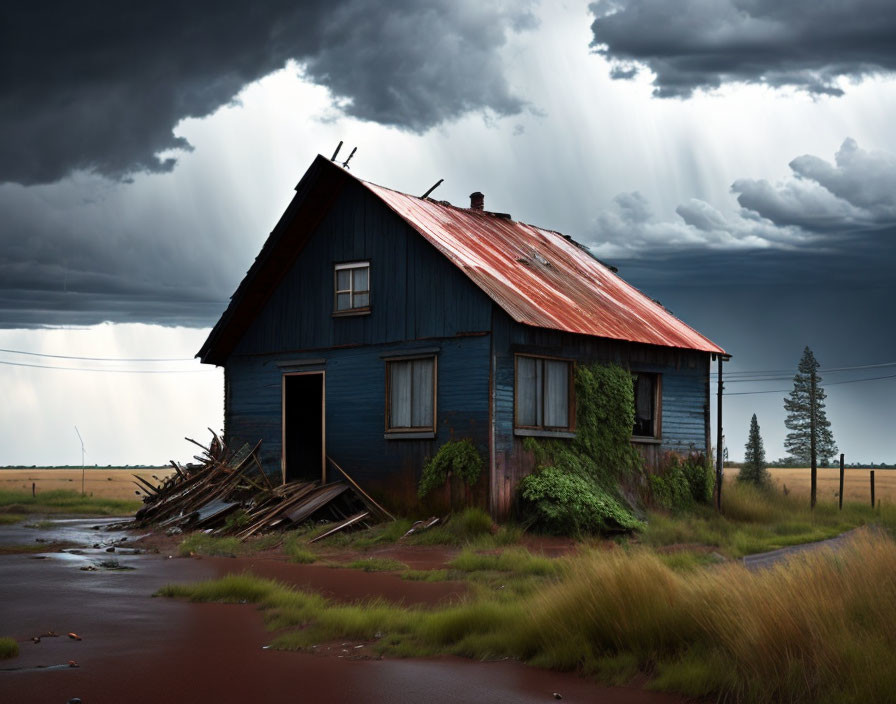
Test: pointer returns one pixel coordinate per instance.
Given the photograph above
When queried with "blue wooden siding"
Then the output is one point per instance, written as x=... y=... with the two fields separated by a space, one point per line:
x=685 y=386
x=415 y=292
x=355 y=391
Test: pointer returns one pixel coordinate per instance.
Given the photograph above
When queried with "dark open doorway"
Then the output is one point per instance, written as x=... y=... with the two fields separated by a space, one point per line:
x=303 y=427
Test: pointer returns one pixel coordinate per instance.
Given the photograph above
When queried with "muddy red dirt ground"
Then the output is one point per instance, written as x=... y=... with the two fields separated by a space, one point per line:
x=135 y=649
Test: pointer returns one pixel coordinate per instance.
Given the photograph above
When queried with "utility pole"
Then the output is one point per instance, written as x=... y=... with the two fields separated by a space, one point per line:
x=82 y=459
x=719 y=442
x=813 y=460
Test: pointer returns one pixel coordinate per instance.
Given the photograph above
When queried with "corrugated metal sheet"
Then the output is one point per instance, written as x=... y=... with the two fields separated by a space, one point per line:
x=540 y=277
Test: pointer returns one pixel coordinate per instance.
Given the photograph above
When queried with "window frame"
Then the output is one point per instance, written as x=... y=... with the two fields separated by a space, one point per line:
x=412 y=432
x=351 y=266
x=542 y=430
x=657 y=435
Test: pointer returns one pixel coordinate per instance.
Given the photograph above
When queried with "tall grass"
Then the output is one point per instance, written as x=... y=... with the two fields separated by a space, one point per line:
x=757 y=520
x=817 y=628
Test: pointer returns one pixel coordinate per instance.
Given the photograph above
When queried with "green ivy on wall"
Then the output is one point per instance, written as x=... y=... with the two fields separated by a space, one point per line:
x=575 y=487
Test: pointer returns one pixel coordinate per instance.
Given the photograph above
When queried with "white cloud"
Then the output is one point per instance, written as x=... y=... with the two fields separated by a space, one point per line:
x=857 y=191
x=630 y=227
x=816 y=205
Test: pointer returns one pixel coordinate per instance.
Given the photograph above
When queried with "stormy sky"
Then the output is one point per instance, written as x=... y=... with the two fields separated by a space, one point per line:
x=734 y=159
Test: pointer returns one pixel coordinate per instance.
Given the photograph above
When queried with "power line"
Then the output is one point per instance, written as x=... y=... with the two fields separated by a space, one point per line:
x=790 y=372
x=103 y=359
x=830 y=383
x=111 y=371
x=770 y=378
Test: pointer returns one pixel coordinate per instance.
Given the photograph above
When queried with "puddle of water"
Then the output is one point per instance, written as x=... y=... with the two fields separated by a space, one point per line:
x=83 y=532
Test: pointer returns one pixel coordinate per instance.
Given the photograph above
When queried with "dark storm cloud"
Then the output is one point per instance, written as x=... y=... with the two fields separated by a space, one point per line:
x=765 y=306
x=820 y=207
x=694 y=44
x=69 y=262
x=97 y=87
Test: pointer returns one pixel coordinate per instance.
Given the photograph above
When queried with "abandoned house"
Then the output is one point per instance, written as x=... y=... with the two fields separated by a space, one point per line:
x=374 y=326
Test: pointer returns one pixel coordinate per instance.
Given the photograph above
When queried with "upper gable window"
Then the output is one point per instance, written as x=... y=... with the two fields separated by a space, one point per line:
x=352 y=287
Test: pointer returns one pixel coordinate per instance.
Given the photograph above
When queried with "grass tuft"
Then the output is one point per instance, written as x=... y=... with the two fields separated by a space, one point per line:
x=425 y=575
x=202 y=544
x=232 y=588
x=470 y=523
x=517 y=560
x=297 y=550
x=9 y=648
x=376 y=564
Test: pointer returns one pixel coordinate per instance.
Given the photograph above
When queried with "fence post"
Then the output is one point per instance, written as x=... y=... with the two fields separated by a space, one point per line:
x=841 y=481
x=33 y=490
x=872 y=488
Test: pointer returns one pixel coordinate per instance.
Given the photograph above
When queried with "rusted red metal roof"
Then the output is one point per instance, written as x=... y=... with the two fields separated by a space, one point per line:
x=540 y=277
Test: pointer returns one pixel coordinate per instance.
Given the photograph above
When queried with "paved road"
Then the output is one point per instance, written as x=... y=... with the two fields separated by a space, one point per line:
x=767 y=559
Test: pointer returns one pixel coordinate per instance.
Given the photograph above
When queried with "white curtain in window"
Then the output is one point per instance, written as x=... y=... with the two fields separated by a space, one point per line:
x=411 y=398
x=528 y=391
x=400 y=394
x=422 y=398
x=556 y=402
x=360 y=282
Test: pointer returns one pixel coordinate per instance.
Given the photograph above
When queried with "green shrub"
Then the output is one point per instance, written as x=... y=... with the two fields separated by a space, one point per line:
x=671 y=490
x=682 y=482
x=567 y=503
x=701 y=476
x=458 y=458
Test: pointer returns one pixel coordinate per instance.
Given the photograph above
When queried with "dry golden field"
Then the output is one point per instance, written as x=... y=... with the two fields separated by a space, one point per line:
x=856 y=483
x=106 y=483
x=118 y=483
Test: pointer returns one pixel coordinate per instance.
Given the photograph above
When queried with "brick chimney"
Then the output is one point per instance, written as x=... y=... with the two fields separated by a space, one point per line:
x=477 y=201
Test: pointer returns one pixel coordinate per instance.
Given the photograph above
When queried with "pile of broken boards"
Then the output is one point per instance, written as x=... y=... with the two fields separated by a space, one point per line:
x=229 y=493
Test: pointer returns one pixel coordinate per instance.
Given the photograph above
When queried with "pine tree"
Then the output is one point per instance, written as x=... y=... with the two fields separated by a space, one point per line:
x=810 y=436
x=754 y=467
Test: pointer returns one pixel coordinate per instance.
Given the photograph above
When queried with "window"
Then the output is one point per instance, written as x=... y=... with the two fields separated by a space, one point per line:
x=352 y=283
x=646 y=388
x=544 y=394
x=411 y=395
